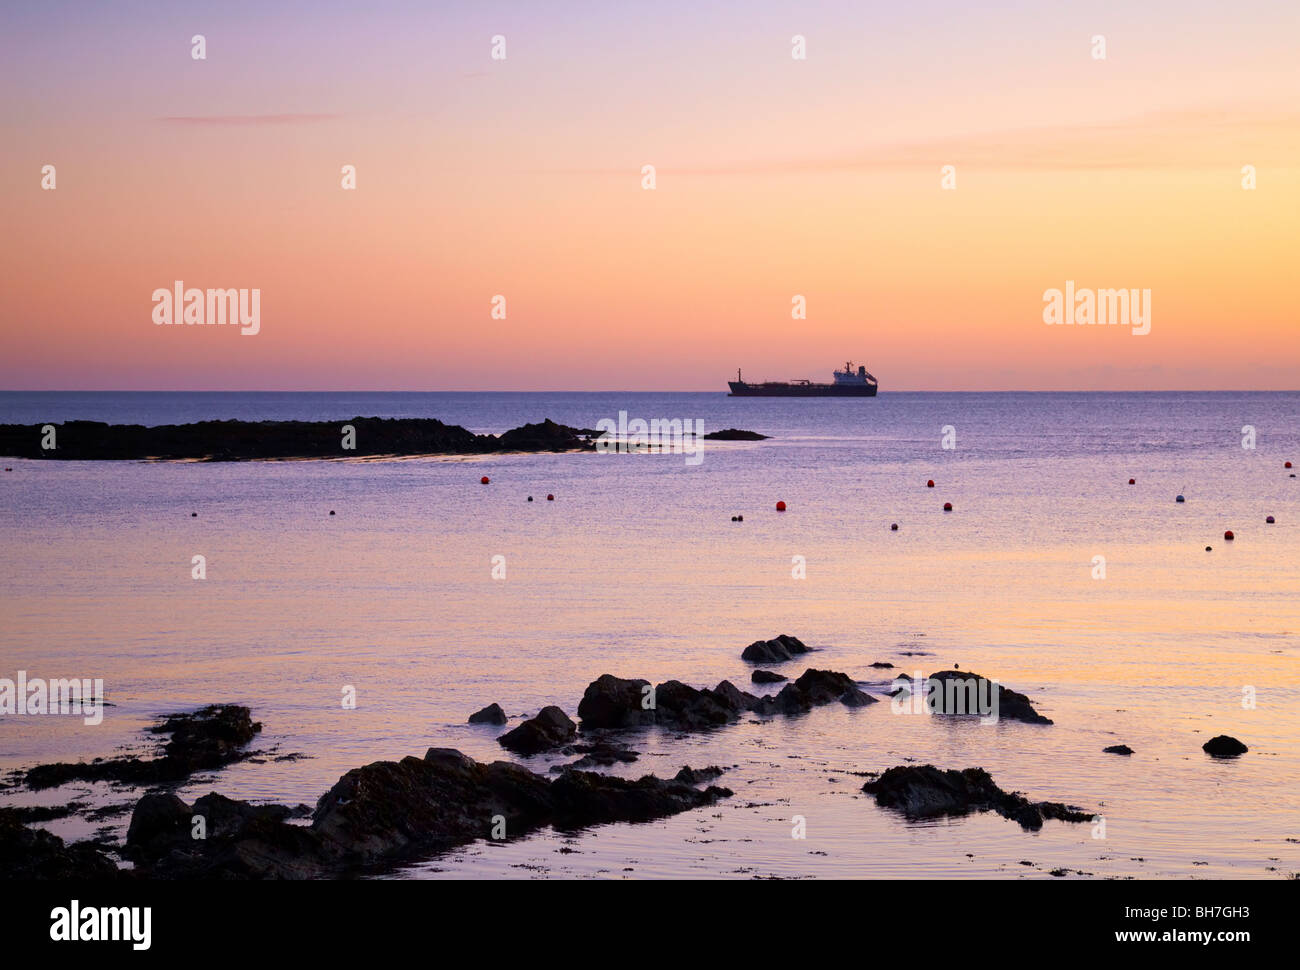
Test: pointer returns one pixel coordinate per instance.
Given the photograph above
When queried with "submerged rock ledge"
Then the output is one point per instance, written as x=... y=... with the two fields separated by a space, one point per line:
x=211 y=737
x=250 y=440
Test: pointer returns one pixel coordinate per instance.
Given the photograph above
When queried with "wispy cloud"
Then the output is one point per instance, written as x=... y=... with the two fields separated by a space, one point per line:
x=283 y=119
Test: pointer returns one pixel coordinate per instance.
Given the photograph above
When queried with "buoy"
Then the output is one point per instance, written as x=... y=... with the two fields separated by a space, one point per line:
x=1179 y=499
x=331 y=511
x=1208 y=548
x=740 y=518
x=194 y=515
x=1132 y=481
x=485 y=479
x=894 y=527
x=550 y=498
x=780 y=506
x=1268 y=519
x=1287 y=465
x=930 y=483
x=947 y=506
x=1228 y=536
x=530 y=498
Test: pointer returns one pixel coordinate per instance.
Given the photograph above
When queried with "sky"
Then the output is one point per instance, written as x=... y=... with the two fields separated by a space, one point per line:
x=775 y=177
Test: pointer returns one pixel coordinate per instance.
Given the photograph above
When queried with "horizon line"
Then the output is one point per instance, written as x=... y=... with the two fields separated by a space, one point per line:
x=1008 y=390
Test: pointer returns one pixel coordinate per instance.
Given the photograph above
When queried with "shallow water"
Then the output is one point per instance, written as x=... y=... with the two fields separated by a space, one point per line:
x=637 y=570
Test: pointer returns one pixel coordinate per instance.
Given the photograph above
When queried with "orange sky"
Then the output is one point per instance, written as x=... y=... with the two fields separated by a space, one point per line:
x=776 y=177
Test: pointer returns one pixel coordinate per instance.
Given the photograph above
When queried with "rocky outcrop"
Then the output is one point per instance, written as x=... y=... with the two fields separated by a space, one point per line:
x=549 y=729
x=735 y=434
x=777 y=650
x=212 y=737
x=924 y=791
x=388 y=812
x=615 y=702
x=245 y=440
x=546 y=436
x=1224 y=746
x=27 y=853
x=767 y=677
x=959 y=690
x=492 y=714
x=1117 y=749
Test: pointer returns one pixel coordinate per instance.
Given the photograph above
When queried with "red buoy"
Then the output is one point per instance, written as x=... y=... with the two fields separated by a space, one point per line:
x=780 y=506
x=485 y=479
x=930 y=483
x=550 y=498
x=1132 y=481
x=1287 y=465
x=947 y=506
x=1229 y=536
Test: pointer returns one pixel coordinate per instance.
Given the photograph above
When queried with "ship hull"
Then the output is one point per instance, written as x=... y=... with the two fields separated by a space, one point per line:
x=743 y=389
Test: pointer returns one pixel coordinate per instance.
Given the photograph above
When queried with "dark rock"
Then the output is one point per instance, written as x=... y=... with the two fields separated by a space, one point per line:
x=686 y=708
x=788 y=700
x=612 y=702
x=1224 y=746
x=601 y=753
x=735 y=434
x=245 y=440
x=958 y=691
x=882 y=665
x=824 y=686
x=924 y=791
x=1117 y=749
x=37 y=854
x=733 y=698
x=777 y=650
x=546 y=436
x=697 y=776
x=387 y=812
x=209 y=738
x=159 y=819
x=767 y=677
x=549 y=729
x=492 y=714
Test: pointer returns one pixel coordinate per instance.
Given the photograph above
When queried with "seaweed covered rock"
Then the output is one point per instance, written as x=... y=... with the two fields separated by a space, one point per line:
x=33 y=853
x=211 y=737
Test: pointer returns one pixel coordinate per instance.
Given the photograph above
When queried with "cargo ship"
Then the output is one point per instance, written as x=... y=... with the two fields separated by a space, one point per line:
x=847 y=383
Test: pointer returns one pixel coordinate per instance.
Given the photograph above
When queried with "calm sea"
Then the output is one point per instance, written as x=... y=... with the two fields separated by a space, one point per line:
x=636 y=569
